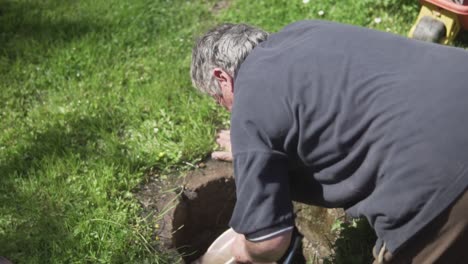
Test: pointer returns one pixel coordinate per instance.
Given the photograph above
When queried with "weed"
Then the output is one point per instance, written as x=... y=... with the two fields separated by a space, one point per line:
x=353 y=244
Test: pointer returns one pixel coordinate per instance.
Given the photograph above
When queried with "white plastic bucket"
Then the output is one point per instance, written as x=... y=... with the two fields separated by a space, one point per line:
x=220 y=250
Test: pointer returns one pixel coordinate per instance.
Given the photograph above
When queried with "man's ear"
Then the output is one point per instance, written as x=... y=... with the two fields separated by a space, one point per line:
x=223 y=78
x=219 y=74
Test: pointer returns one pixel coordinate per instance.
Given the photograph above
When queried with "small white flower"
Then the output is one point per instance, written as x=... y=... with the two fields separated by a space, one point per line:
x=321 y=13
x=305 y=1
x=377 y=20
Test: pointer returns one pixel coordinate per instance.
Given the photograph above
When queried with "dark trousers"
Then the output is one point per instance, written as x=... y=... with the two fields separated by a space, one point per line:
x=444 y=240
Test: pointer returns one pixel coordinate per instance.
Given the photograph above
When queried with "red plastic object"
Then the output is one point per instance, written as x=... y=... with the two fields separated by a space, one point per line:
x=460 y=10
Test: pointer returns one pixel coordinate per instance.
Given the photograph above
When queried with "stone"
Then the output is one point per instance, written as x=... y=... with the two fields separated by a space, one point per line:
x=315 y=224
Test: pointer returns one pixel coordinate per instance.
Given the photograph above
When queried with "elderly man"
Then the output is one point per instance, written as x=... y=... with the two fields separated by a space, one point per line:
x=344 y=117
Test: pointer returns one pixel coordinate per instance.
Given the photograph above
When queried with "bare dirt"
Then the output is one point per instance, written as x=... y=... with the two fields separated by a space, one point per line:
x=189 y=212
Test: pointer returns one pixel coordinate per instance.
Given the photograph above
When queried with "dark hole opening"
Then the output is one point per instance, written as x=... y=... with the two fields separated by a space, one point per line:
x=202 y=216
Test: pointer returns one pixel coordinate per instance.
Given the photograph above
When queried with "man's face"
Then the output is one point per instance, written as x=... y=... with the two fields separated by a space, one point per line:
x=219 y=100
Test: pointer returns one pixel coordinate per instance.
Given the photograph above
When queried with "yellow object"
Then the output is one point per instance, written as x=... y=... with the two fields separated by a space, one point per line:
x=449 y=19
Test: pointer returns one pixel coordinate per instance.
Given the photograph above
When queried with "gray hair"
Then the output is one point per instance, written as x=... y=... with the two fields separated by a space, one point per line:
x=225 y=46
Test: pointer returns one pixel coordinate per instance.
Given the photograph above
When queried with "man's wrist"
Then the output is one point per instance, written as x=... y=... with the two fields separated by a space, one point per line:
x=269 y=250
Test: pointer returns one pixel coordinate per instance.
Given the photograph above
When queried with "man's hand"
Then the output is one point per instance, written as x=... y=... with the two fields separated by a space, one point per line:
x=267 y=251
x=239 y=251
x=224 y=141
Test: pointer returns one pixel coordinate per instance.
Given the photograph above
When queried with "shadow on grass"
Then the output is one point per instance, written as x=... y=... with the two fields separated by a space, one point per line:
x=37 y=229
x=29 y=31
x=33 y=218
x=78 y=136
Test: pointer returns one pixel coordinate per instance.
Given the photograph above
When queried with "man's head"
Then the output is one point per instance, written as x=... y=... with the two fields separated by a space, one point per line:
x=217 y=56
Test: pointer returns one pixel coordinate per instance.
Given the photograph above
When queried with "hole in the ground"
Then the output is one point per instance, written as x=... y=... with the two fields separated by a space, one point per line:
x=202 y=215
x=192 y=222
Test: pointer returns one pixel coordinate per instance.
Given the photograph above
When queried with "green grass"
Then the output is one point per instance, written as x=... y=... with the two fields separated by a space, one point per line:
x=396 y=15
x=96 y=93
x=93 y=94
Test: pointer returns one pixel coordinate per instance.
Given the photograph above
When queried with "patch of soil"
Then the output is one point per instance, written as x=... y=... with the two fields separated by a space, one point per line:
x=190 y=212
x=315 y=224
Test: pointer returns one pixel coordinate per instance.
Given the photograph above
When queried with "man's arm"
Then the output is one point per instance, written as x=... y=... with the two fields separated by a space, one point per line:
x=265 y=251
